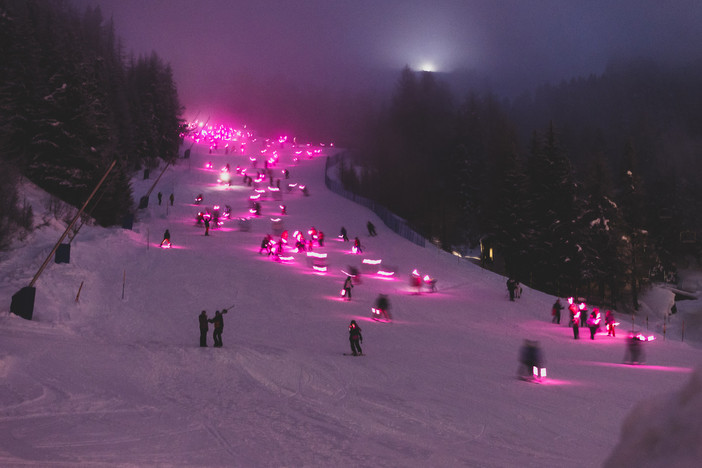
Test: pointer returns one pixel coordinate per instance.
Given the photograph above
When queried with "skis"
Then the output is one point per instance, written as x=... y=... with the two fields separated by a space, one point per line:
x=350 y=354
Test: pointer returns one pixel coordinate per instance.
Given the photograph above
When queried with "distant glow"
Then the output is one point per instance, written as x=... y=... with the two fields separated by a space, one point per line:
x=427 y=67
x=368 y=261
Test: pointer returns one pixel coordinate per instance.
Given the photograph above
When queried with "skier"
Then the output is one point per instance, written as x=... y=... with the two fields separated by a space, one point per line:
x=529 y=358
x=218 y=321
x=556 y=311
x=382 y=307
x=207 y=225
x=610 y=323
x=348 y=284
x=343 y=234
x=371 y=229
x=160 y=195
x=203 y=329
x=172 y=199
x=355 y=338
x=166 y=242
x=357 y=245
x=266 y=244
x=634 y=354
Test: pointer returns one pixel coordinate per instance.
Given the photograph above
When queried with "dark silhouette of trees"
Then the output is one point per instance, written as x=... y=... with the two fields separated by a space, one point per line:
x=70 y=104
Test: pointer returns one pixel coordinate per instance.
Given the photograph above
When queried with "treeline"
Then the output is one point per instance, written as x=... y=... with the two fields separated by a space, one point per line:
x=71 y=103
x=587 y=188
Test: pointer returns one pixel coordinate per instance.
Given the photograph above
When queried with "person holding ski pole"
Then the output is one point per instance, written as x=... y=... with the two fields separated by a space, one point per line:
x=218 y=321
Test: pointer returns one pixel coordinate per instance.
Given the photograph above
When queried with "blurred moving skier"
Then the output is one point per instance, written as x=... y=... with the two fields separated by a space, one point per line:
x=529 y=358
x=382 y=305
x=355 y=338
x=634 y=353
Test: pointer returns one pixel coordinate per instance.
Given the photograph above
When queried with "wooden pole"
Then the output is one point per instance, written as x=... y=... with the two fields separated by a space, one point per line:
x=124 y=280
x=683 y=330
x=79 y=289
x=70 y=226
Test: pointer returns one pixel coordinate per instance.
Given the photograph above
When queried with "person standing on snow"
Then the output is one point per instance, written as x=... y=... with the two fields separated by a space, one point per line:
x=593 y=322
x=172 y=199
x=204 y=326
x=160 y=196
x=575 y=322
x=355 y=338
x=218 y=321
x=556 y=311
x=609 y=323
x=511 y=287
x=348 y=284
x=343 y=234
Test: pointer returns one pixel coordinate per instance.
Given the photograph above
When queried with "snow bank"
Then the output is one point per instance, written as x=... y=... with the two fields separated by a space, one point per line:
x=664 y=431
x=656 y=303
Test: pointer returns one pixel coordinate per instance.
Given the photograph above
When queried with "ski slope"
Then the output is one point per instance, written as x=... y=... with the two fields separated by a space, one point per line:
x=117 y=378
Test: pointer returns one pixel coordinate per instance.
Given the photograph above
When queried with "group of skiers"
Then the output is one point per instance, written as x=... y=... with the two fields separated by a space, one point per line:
x=579 y=317
x=218 y=323
x=513 y=288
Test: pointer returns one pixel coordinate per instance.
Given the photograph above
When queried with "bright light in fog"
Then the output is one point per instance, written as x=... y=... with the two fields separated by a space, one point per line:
x=427 y=67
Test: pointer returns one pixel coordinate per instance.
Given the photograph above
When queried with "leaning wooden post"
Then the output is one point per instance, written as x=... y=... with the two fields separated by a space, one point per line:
x=683 y=330
x=79 y=289
x=70 y=226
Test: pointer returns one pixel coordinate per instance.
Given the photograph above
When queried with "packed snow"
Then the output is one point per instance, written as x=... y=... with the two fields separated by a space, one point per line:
x=109 y=371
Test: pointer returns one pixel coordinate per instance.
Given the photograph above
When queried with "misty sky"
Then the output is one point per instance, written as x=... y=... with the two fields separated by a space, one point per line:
x=214 y=44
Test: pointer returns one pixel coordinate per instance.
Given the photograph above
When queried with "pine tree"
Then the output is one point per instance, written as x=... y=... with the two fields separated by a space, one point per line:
x=555 y=252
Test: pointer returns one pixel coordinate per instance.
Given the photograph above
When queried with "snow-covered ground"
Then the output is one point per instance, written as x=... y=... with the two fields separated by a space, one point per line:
x=117 y=378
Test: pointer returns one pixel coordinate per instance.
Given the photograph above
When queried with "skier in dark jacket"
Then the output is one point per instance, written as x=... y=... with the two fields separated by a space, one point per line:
x=343 y=234
x=348 y=284
x=355 y=338
x=204 y=326
x=218 y=321
x=511 y=287
x=371 y=229
x=556 y=311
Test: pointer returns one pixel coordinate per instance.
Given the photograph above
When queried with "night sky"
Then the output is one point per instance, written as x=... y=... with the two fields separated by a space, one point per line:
x=220 y=47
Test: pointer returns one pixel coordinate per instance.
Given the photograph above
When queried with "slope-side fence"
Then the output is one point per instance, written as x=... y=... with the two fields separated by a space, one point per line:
x=391 y=220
